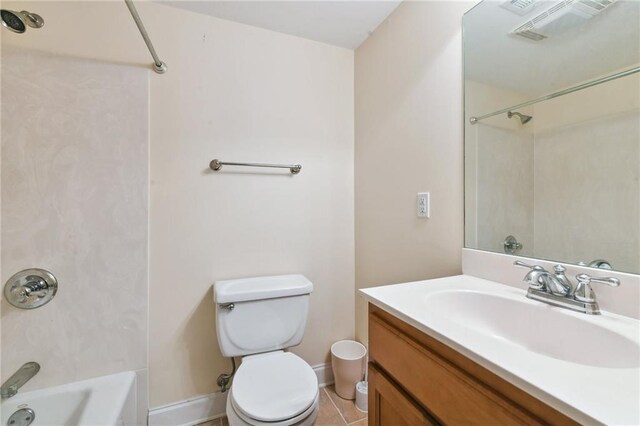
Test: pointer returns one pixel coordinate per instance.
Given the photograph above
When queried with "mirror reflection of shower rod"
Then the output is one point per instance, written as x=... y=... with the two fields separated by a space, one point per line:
x=158 y=66
x=474 y=120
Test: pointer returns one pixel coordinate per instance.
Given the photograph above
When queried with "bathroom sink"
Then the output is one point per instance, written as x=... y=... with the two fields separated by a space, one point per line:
x=569 y=360
x=537 y=327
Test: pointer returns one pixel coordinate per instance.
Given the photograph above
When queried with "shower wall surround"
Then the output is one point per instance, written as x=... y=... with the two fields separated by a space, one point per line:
x=600 y=164
x=484 y=97
x=75 y=202
x=505 y=162
x=586 y=152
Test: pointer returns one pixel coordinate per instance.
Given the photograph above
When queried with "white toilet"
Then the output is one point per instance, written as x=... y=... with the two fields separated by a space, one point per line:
x=257 y=318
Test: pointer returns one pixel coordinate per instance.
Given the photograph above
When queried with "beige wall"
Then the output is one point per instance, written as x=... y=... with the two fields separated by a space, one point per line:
x=409 y=139
x=75 y=147
x=241 y=93
x=238 y=93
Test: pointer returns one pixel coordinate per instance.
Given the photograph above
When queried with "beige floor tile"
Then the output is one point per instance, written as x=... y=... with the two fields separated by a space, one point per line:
x=363 y=422
x=346 y=407
x=328 y=415
x=214 y=422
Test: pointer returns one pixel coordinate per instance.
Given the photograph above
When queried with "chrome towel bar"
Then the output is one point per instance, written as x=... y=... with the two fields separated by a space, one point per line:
x=293 y=168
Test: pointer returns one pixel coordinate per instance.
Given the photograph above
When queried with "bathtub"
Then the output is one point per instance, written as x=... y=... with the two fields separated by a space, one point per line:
x=107 y=400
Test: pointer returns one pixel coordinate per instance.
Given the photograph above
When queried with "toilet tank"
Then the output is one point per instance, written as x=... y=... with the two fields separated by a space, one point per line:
x=261 y=314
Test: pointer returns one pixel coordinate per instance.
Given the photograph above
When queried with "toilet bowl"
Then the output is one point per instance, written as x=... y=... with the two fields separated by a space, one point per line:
x=275 y=388
x=257 y=318
x=307 y=419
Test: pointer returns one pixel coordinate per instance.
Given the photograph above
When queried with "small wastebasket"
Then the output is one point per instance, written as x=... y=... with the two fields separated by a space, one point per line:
x=361 y=396
x=349 y=365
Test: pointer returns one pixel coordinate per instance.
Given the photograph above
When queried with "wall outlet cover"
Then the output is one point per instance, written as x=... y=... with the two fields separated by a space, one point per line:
x=423 y=205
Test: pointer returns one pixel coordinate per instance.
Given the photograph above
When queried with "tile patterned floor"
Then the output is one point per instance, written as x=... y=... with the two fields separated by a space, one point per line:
x=334 y=411
x=216 y=422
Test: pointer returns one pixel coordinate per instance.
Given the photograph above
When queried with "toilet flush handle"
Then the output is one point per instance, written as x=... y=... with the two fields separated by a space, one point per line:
x=227 y=306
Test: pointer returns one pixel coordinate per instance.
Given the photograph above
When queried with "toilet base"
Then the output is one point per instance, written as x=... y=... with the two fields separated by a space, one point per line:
x=236 y=420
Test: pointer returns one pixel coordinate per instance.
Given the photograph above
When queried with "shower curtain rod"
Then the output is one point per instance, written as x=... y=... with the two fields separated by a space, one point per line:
x=474 y=120
x=158 y=66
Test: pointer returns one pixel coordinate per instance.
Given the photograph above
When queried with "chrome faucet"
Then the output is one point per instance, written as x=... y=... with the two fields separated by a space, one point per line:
x=556 y=289
x=18 y=379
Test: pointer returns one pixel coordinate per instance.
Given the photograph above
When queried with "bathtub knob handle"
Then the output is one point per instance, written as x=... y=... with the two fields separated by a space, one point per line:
x=31 y=288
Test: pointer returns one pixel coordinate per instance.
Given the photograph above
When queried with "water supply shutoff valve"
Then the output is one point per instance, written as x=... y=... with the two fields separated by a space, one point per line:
x=224 y=379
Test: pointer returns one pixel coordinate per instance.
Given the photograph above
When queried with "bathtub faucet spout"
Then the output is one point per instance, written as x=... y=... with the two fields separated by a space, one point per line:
x=18 y=379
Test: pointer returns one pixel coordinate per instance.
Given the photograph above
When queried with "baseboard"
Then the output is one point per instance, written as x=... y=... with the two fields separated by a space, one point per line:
x=189 y=412
x=324 y=372
x=204 y=408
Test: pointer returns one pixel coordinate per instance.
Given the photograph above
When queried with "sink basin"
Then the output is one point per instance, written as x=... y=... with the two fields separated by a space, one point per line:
x=586 y=366
x=537 y=327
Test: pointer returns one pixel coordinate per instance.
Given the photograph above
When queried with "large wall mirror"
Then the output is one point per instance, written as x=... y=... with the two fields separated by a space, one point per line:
x=552 y=130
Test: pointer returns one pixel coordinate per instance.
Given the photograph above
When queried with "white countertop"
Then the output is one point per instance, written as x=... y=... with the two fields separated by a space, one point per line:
x=586 y=392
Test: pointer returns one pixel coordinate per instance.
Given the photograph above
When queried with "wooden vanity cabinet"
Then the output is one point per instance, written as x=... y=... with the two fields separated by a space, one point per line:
x=390 y=405
x=415 y=380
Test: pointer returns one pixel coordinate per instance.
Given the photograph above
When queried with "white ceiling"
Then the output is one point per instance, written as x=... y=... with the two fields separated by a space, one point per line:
x=340 y=23
x=607 y=42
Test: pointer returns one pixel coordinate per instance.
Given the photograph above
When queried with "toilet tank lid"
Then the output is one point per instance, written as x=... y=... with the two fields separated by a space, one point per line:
x=245 y=289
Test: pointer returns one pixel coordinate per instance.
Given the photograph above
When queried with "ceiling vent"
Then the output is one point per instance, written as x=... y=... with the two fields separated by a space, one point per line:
x=519 y=7
x=560 y=17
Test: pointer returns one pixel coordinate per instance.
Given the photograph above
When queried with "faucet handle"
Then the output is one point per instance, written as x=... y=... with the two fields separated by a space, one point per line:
x=559 y=269
x=533 y=277
x=584 y=292
x=526 y=265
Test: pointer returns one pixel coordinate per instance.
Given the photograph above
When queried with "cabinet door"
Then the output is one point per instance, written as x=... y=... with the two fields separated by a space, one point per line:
x=390 y=406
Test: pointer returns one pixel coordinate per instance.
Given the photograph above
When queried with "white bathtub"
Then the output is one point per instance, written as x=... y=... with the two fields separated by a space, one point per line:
x=107 y=400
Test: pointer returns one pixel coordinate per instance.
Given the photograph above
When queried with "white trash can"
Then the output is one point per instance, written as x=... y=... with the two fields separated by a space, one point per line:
x=348 y=360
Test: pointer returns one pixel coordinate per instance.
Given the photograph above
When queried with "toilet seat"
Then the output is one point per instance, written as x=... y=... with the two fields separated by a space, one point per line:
x=307 y=418
x=275 y=387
